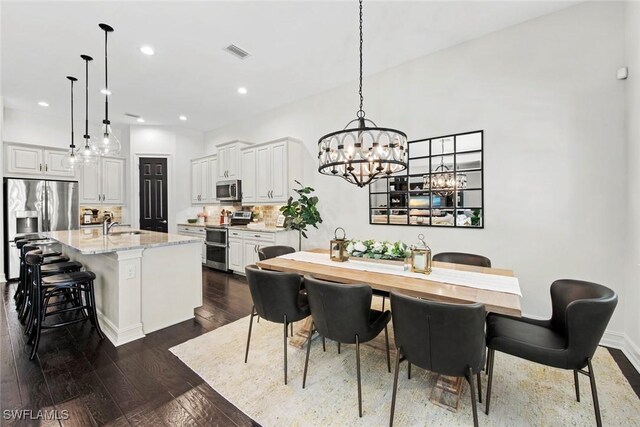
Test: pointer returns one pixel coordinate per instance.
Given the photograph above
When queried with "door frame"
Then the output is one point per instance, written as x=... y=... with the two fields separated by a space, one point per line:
x=135 y=196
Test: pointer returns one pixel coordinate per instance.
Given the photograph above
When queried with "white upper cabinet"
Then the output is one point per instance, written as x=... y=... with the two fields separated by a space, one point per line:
x=103 y=182
x=53 y=163
x=112 y=181
x=229 y=163
x=203 y=180
x=277 y=166
x=248 y=164
x=212 y=178
x=35 y=161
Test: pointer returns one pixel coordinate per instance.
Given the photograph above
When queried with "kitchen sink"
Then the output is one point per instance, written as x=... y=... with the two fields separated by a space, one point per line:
x=125 y=233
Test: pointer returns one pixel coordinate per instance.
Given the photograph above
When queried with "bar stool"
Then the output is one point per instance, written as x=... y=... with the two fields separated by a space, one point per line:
x=22 y=292
x=45 y=288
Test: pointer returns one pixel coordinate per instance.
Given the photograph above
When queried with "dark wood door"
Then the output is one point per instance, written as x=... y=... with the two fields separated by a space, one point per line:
x=153 y=194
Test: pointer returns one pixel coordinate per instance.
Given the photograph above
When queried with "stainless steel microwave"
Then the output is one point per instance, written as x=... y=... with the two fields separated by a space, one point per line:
x=229 y=191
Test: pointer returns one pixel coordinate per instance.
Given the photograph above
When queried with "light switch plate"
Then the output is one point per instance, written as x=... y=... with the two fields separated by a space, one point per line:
x=622 y=73
x=131 y=272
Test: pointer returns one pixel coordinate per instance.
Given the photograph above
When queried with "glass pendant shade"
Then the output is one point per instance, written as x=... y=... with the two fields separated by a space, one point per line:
x=88 y=153
x=108 y=144
x=70 y=161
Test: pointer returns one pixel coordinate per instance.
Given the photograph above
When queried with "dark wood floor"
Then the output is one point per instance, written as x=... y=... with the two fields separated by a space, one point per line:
x=140 y=383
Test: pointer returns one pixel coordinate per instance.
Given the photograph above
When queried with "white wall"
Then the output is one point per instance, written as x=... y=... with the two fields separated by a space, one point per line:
x=632 y=300
x=546 y=95
x=180 y=146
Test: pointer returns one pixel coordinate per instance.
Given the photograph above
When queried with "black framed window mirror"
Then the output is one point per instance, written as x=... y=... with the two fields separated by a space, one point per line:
x=443 y=185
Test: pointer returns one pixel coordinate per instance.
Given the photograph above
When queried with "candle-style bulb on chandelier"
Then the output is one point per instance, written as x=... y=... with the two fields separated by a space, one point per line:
x=108 y=145
x=365 y=152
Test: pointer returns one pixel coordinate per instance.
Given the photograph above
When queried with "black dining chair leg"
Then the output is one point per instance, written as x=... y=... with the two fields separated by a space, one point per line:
x=338 y=348
x=594 y=392
x=246 y=353
x=490 y=359
x=395 y=387
x=383 y=299
x=409 y=371
x=577 y=384
x=479 y=387
x=291 y=326
x=324 y=344
x=473 y=396
x=386 y=339
x=358 y=373
x=306 y=360
x=286 y=328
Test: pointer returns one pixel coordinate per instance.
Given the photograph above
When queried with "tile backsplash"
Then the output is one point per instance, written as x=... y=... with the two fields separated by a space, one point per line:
x=115 y=210
x=267 y=214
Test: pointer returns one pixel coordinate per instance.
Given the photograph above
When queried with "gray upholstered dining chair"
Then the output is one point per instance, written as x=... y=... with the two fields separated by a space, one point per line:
x=343 y=313
x=268 y=252
x=463 y=258
x=444 y=338
x=580 y=314
x=276 y=298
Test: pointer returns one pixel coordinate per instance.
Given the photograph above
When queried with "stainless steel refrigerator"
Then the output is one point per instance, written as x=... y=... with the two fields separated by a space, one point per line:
x=33 y=206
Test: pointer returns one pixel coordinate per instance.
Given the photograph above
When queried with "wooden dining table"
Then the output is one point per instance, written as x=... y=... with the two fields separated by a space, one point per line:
x=496 y=302
x=447 y=391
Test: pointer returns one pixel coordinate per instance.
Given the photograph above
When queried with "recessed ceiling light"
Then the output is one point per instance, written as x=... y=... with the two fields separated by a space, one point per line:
x=105 y=91
x=147 y=50
x=43 y=104
x=140 y=120
x=242 y=90
x=183 y=118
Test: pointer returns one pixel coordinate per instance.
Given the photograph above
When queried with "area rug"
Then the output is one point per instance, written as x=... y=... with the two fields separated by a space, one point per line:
x=523 y=394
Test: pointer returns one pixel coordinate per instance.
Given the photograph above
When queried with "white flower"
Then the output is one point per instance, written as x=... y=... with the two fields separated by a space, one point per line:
x=378 y=247
x=389 y=247
x=360 y=247
x=350 y=248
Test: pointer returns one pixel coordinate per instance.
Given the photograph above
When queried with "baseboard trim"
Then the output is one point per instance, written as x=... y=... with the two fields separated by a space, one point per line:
x=118 y=336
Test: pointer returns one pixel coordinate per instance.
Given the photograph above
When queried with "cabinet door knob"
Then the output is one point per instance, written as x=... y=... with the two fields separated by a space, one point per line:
x=46 y=167
x=40 y=167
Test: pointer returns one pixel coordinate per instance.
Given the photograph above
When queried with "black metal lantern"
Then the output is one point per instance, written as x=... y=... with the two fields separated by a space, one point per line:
x=338 y=248
x=361 y=154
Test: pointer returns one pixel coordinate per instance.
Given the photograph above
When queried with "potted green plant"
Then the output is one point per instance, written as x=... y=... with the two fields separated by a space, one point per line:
x=301 y=213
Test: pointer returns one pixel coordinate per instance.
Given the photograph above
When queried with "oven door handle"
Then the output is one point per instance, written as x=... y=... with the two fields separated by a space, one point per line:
x=218 y=245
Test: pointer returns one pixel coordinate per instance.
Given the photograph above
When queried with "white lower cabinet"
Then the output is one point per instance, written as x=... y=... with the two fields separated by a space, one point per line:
x=195 y=231
x=244 y=246
x=235 y=255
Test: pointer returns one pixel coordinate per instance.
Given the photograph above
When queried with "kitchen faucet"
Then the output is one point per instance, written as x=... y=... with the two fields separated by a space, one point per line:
x=107 y=224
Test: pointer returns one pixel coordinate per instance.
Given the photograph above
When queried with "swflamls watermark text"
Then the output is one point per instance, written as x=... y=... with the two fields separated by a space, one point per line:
x=29 y=414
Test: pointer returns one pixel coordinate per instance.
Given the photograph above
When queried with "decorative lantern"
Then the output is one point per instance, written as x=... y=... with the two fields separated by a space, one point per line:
x=421 y=257
x=338 y=248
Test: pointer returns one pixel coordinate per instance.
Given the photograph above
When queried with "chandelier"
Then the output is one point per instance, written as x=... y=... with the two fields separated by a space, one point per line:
x=443 y=181
x=365 y=152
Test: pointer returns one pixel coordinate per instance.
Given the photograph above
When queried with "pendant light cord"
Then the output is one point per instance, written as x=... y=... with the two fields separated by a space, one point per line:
x=73 y=145
x=106 y=82
x=86 y=99
x=361 y=113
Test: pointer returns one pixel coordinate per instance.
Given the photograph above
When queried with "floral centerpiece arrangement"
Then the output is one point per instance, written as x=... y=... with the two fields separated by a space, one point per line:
x=378 y=250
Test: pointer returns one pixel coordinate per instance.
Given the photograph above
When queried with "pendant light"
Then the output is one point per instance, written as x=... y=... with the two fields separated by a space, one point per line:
x=362 y=154
x=87 y=154
x=70 y=160
x=108 y=145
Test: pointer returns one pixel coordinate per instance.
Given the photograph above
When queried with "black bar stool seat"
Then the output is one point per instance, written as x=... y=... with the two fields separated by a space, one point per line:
x=68 y=279
x=54 y=259
x=60 y=268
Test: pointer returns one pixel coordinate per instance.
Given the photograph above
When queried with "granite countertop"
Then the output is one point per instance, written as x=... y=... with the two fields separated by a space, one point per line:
x=91 y=241
x=259 y=229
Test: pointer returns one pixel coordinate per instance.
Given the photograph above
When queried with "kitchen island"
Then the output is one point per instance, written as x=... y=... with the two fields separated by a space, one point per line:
x=145 y=280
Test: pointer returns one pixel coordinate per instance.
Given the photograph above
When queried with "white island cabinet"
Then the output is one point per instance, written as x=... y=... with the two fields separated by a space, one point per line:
x=144 y=282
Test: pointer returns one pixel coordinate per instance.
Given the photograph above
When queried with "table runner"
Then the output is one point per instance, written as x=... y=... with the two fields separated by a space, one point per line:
x=491 y=282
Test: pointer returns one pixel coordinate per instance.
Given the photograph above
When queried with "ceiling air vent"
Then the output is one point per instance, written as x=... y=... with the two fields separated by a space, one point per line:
x=135 y=116
x=236 y=51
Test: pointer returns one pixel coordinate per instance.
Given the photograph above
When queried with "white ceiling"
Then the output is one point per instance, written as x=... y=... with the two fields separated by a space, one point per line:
x=297 y=49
